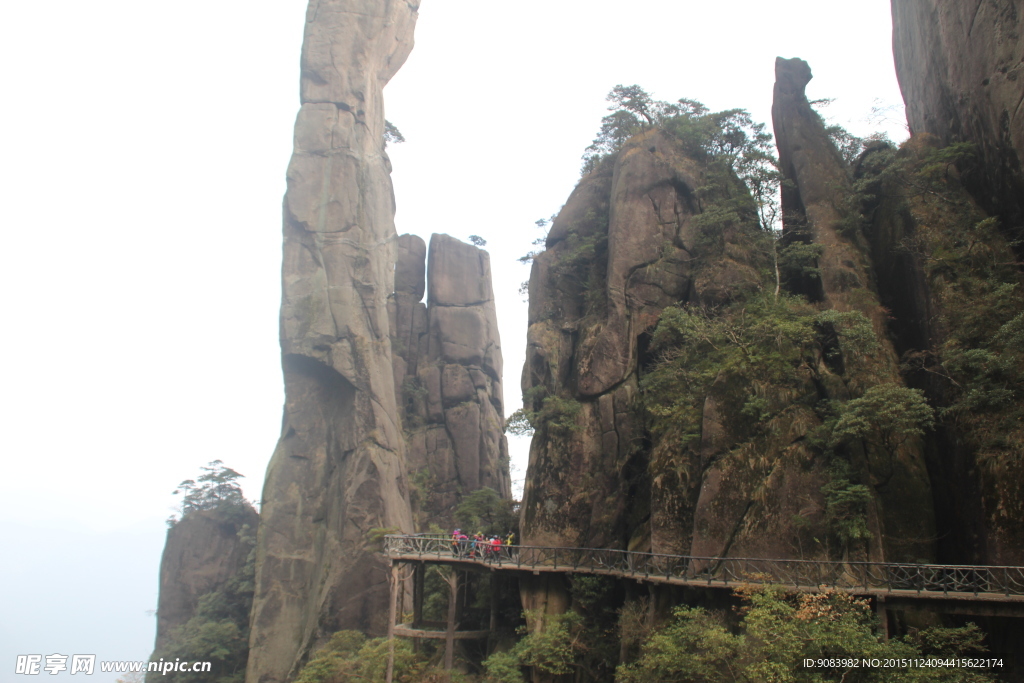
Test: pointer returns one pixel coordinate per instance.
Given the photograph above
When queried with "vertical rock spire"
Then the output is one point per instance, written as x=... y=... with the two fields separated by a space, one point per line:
x=819 y=207
x=339 y=468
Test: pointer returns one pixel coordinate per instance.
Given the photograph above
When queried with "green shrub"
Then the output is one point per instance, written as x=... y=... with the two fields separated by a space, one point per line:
x=776 y=632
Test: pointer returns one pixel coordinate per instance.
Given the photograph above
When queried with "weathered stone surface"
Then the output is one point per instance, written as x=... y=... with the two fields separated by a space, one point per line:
x=203 y=551
x=960 y=65
x=460 y=274
x=410 y=268
x=813 y=206
x=623 y=248
x=451 y=391
x=456 y=385
x=816 y=201
x=339 y=469
x=652 y=186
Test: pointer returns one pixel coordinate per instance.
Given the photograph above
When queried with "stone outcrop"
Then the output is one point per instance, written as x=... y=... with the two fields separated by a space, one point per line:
x=648 y=230
x=393 y=407
x=914 y=236
x=961 y=72
x=819 y=209
x=627 y=244
x=203 y=551
x=961 y=69
x=447 y=368
x=339 y=468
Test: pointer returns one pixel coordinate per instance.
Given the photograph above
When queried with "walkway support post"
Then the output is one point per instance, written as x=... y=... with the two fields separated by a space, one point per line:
x=449 y=639
x=392 y=609
x=418 y=579
x=493 y=625
x=883 y=617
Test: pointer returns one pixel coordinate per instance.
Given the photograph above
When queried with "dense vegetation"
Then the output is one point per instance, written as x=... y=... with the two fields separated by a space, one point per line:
x=351 y=656
x=777 y=632
x=796 y=384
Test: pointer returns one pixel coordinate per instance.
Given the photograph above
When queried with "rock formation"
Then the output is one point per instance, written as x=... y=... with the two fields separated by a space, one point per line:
x=203 y=552
x=946 y=275
x=636 y=449
x=447 y=359
x=818 y=209
x=961 y=72
x=961 y=69
x=636 y=237
x=339 y=468
x=393 y=408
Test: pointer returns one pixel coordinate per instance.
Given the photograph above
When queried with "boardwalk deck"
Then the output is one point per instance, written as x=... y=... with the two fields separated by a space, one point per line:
x=976 y=583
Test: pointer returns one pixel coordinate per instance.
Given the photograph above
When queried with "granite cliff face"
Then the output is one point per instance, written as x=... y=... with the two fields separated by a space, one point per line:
x=339 y=468
x=641 y=236
x=819 y=209
x=961 y=69
x=393 y=408
x=676 y=405
x=447 y=368
x=202 y=553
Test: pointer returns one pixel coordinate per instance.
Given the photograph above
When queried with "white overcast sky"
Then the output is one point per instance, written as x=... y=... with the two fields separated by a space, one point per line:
x=143 y=149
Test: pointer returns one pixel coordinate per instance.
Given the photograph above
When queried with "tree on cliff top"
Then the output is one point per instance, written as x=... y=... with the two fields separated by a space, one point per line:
x=730 y=136
x=217 y=487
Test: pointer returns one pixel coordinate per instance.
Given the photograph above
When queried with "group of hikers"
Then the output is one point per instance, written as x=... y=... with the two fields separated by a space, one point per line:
x=479 y=546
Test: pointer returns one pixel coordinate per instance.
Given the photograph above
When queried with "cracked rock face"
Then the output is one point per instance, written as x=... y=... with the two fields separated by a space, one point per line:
x=339 y=468
x=961 y=70
x=815 y=201
x=448 y=374
x=203 y=551
x=620 y=251
x=628 y=244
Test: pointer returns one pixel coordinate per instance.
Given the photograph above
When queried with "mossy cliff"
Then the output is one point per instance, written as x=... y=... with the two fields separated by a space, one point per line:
x=694 y=384
x=849 y=389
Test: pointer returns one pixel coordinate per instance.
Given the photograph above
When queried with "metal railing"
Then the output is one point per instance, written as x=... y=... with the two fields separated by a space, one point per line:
x=857 y=577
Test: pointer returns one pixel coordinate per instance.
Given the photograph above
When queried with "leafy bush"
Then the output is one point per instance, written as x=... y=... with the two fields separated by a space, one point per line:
x=776 y=632
x=557 y=415
x=487 y=512
x=846 y=505
x=350 y=656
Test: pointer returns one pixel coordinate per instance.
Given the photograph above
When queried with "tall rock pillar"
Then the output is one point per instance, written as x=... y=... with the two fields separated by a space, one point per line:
x=447 y=356
x=819 y=208
x=339 y=468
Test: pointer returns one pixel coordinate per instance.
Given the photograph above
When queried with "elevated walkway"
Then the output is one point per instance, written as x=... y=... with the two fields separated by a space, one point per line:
x=950 y=589
x=981 y=583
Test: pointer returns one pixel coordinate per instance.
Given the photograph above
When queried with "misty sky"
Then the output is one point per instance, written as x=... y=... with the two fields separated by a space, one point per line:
x=143 y=149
